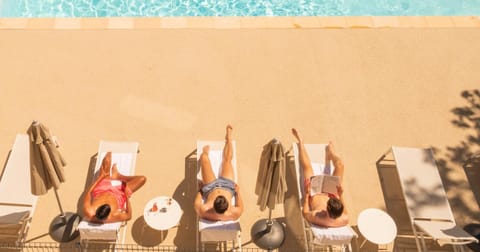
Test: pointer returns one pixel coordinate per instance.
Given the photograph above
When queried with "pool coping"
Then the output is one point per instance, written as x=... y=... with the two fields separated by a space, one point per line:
x=337 y=22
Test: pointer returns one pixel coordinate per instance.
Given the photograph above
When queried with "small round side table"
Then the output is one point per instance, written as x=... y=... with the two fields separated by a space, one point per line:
x=162 y=213
x=377 y=226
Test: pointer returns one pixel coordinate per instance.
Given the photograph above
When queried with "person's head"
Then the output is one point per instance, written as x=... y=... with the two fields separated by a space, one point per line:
x=102 y=212
x=220 y=204
x=334 y=208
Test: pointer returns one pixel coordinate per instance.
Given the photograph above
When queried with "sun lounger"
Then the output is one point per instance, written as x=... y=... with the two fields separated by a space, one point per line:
x=17 y=203
x=425 y=198
x=124 y=154
x=217 y=231
x=340 y=236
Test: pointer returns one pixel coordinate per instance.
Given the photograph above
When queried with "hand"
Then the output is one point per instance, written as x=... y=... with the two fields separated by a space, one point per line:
x=237 y=188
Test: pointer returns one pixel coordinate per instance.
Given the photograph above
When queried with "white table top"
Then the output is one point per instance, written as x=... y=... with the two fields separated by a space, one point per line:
x=162 y=213
x=377 y=226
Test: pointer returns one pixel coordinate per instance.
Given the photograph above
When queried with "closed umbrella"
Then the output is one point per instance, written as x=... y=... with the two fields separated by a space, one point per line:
x=47 y=163
x=271 y=184
x=46 y=172
x=270 y=187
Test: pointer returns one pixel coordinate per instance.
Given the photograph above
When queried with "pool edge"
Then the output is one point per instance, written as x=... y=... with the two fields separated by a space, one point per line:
x=337 y=22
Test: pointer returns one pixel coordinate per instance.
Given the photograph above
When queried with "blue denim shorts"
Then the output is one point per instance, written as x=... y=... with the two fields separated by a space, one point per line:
x=222 y=183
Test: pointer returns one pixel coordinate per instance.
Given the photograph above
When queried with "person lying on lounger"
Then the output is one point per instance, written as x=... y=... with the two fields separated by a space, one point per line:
x=323 y=209
x=107 y=199
x=214 y=199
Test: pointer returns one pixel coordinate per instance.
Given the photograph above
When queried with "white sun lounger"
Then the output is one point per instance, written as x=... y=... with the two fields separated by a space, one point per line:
x=427 y=203
x=124 y=154
x=340 y=236
x=217 y=231
x=17 y=203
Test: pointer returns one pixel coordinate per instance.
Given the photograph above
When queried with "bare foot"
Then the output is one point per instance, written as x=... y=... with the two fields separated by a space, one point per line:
x=331 y=153
x=296 y=135
x=228 y=135
x=206 y=149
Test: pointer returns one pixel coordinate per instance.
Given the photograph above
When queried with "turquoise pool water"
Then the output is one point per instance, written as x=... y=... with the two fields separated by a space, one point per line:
x=162 y=8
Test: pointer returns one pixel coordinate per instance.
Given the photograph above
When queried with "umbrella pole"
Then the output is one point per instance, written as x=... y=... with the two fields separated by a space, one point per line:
x=62 y=213
x=63 y=228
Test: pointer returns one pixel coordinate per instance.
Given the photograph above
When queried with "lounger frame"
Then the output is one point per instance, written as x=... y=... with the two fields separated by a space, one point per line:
x=424 y=225
x=16 y=199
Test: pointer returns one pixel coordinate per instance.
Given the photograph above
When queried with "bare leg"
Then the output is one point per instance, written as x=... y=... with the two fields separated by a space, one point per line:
x=227 y=168
x=206 y=166
x=133 y=182
x=337 y=162
x=303 y=156
x=106 y=164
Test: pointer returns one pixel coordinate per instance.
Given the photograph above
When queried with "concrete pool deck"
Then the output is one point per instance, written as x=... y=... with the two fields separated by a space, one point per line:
x=114 y=79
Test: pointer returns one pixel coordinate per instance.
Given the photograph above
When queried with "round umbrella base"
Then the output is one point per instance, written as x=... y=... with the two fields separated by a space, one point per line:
x=64 y=228
x=268 y=234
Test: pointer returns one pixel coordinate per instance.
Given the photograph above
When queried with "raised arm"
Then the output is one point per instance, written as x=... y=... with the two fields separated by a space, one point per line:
x=122 y=216
x=198 y=204
x=306 y=201
x=88 y=211
x=238 y=210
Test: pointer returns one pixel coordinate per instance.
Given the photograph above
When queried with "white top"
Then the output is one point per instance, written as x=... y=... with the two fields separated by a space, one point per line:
x=162 y=213
x=377 y=226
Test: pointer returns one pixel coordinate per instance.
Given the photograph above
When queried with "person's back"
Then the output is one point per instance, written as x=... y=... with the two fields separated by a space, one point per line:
x=325 y=210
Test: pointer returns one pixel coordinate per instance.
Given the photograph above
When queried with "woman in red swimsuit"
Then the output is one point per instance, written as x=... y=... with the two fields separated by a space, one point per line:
x=107 y=198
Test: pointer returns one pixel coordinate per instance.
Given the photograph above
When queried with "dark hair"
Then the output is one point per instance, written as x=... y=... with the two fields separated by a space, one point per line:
x=220 y=204
x=103 y=211
x=334 y=208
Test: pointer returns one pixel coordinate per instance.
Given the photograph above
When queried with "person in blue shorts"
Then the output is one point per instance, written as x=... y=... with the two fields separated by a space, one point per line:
x=214 y=199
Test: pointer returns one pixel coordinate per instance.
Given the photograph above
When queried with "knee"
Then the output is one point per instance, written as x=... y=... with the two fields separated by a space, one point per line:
x=143 y=179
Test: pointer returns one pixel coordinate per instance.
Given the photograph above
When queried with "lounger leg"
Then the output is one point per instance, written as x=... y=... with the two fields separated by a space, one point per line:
x=419 y=248
x=424 y=246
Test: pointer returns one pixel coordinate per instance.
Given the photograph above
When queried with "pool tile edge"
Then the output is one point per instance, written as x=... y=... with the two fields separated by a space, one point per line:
x=340 y=22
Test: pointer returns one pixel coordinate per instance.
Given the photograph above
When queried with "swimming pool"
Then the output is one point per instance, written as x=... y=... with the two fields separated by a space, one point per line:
x=163 y=8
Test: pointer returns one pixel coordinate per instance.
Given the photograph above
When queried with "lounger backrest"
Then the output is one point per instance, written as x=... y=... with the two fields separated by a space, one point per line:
x=17 y=169
x=316 y=153
x=215 y=155
x=421 y=184
x=124 y=154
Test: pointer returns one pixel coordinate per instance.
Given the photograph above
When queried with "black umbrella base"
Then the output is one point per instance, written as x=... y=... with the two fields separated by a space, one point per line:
x=268 y=234
x=64 y=228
